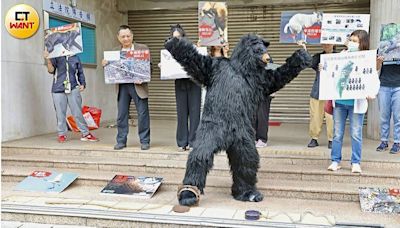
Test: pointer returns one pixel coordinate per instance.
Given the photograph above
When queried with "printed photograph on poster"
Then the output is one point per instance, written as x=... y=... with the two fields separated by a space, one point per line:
x=137 y=187
x=336 y=28
x=63 y=40
x=389 y=43
x=213 y=23
x=45 y=181
x=300 y=25
x=170 y=68
x=380 y=200
x=348 y=75
x=132 y=67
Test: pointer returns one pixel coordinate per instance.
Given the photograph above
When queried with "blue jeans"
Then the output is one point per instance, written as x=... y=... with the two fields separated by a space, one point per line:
x=389 y=103
x=340 y=114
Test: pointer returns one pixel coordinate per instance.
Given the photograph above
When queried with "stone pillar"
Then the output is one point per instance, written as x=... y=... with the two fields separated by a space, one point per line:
x=382 y=12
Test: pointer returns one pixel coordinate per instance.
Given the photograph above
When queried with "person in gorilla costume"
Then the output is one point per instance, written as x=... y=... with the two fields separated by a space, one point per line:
x=235 y=88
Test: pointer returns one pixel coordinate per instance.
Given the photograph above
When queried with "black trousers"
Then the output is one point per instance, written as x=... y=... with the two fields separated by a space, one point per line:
x=262 y=119
x=126 y=93
x=188 y=101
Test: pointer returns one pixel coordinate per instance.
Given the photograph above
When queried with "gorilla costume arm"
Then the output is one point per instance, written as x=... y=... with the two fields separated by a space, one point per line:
x=198 y=66
x=277 y=79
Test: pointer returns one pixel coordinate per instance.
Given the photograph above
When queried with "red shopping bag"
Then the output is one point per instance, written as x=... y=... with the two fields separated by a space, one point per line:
x=91 y=115
x=95 y=113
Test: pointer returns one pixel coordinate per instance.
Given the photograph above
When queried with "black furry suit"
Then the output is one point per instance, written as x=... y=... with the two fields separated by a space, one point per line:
x=235 y=87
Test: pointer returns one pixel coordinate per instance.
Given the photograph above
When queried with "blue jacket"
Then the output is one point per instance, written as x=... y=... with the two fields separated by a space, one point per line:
x=76 y=76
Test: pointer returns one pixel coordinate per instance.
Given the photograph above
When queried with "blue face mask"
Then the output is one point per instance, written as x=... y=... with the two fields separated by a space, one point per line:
x=352 y=46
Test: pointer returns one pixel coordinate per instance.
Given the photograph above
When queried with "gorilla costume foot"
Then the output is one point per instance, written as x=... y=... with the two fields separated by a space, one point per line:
x=188 y=195
x=252 y=196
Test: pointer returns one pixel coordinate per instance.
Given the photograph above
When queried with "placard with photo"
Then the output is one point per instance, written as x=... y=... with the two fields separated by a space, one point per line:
x=336 y=28
x=63 y=40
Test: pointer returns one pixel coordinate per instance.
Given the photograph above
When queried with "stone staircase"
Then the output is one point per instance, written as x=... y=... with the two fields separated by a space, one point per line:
x=287 y=177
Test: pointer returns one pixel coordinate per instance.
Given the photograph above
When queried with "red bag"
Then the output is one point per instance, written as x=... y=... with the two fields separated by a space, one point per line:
x=96 y=115
x=72 y=124
x=91 y=115
x=328 y=107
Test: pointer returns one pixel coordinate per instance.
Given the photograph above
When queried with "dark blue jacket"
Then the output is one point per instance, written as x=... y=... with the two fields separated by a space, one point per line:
x=75 y=73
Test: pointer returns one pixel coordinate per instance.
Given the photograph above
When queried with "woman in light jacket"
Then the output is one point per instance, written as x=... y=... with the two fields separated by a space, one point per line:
x=354 y=109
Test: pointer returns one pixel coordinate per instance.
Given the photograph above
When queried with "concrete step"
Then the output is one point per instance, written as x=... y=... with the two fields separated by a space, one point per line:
x=299 y=189
x=83 y=205
x=154 y=166
x=280 y=154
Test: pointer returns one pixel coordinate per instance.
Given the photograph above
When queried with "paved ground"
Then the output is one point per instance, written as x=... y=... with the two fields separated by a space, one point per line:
x=290 y=139
x=287 y=137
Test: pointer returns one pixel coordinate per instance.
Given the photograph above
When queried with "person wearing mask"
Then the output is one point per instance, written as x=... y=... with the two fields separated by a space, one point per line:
x=317 y=112
x=68 y=83
x=137 y=91
x=389 y=104
x=354 y=110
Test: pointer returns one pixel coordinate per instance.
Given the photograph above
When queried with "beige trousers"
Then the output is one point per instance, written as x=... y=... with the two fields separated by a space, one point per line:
x=317 y=115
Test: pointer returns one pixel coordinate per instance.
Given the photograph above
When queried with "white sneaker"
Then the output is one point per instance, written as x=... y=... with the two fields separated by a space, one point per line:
x=356 y=168
x=334 y=166
x=261 y=144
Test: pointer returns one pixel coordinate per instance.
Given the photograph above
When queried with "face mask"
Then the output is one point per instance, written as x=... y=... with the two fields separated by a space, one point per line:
x=352 y=46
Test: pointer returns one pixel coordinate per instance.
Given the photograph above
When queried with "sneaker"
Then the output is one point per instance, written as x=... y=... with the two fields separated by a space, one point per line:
x=89 y=137
x=145 y=146
x=119 y=146
x=334 y=166
x=329 y=144
x=356 y=168
x=181 y=148
x=383 y=146
x=261 y=144
x=62 y=138
x=313 y=143
x=395 y=148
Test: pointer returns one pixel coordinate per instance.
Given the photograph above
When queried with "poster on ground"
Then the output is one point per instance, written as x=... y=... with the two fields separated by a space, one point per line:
x=137 y=187
x=171 y=69
x=389 y=43
x=348 y=75
x=63 y=40
x=131 y=67
x=213 y=23
x=300 y=26
x=45 y=181
x=380 y=200
x=336 y=28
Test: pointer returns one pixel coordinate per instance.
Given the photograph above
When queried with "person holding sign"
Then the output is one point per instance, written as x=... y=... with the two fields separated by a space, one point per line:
x=389 y=103
x=354 y=109
x=138 y=91
x=188 y=101
x=69 y=82
x=317 y=112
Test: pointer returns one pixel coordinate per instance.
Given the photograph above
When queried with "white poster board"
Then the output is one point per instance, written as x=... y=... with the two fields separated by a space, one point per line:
x=171 y=69
x=336 y=28
x=348 y=75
